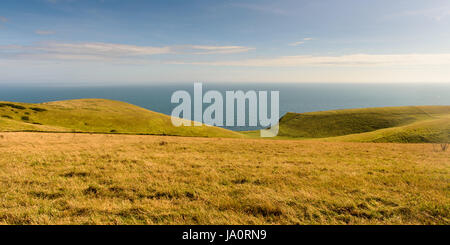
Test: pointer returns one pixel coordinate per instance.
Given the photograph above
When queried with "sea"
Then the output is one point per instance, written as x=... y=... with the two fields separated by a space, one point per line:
x=302 y=97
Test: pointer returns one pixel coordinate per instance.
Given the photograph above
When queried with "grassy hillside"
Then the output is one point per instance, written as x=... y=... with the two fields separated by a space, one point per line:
x=140 y=179
x=95 y=115
x=408 y=124
x=384 y=124
x=426 y=131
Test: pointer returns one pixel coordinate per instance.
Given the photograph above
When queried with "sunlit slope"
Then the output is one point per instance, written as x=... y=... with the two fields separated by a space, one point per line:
x=384 y=124
x=98 y=116
x=428 y=131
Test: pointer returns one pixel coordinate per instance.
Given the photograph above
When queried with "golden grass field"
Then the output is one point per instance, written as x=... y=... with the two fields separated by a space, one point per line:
x=66 y=178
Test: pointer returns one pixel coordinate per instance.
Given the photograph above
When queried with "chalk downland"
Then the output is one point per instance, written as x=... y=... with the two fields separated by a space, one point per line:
x=96 y=116
x=406 y=124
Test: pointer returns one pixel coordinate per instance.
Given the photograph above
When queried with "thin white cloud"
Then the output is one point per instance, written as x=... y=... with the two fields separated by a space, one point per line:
x=301 y=42
x=3 y=19
x=343 y=60
x=296 y=43
x=108 y=51
x=202 y=49
x=133 y=53
x=44 y=32
x=103 y=49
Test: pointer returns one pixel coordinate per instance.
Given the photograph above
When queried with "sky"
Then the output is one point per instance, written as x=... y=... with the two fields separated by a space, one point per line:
x=76 y=42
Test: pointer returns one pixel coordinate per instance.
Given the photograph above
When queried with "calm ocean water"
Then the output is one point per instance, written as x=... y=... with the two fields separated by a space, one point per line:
x=293 y=97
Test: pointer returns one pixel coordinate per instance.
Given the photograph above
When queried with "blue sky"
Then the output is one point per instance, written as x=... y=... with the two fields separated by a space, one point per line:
x=142 y=42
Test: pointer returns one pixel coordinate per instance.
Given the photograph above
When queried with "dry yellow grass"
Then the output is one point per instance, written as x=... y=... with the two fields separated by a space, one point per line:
x=48 y=178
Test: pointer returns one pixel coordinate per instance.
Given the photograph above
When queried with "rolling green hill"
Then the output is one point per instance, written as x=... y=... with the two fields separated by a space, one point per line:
x=427 y=131
x=409 y=124
x=96 y=116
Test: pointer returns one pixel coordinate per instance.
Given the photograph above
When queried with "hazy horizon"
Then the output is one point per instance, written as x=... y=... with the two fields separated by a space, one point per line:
x=293 y=97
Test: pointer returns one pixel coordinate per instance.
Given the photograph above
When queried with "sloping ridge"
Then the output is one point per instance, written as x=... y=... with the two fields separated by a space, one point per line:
x=382 y=124
x=96 y=116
